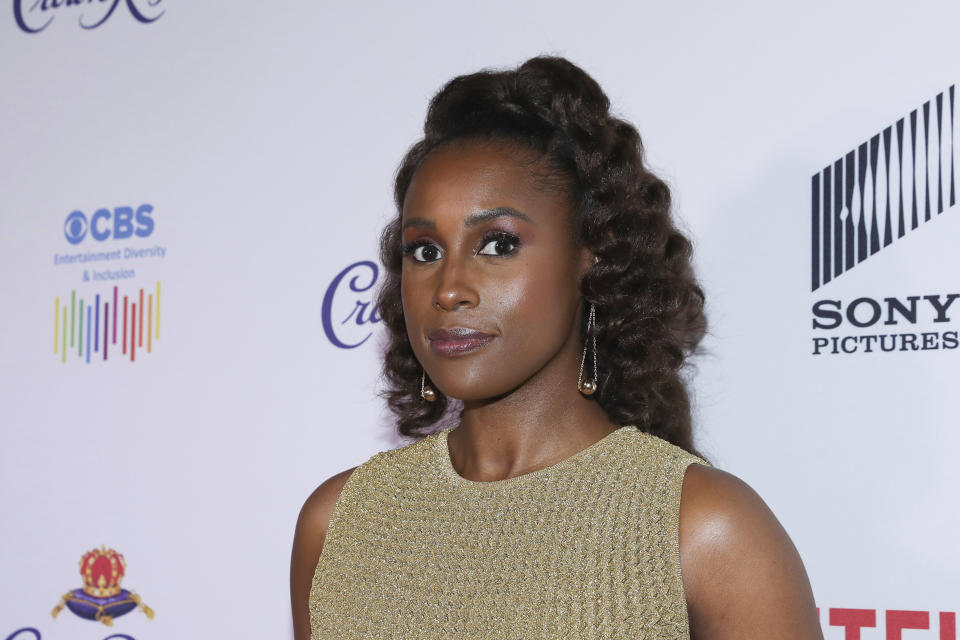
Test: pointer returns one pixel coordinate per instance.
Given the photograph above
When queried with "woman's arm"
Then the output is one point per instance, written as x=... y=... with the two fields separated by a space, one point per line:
x=307 y=543
x=742 y=575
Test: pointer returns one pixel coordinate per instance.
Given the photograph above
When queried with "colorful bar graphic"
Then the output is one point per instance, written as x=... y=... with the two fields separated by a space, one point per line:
x=89 y=324
x=80 y=331
x=133 y=331
x=115 y=314
x=96 y=338
x=106 y=315
x=87 y=343
x=149 y=323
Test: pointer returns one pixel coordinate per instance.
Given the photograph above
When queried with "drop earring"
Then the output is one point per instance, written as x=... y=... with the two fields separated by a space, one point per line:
x=588 y=387
x=426 y=392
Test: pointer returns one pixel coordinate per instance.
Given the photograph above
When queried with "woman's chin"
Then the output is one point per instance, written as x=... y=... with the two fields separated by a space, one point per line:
x=477 y=393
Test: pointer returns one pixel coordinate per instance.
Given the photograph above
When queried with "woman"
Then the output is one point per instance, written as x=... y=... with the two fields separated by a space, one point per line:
x=540 y=298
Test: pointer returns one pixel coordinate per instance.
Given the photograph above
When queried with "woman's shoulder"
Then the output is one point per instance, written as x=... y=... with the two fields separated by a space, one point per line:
x=316 y=510
x=319 y=505
x=413 y=450
x=723 y=520
x=720 y=512
x=652 y=452
x=716 y=500
x=738 y=561
x=308 y=539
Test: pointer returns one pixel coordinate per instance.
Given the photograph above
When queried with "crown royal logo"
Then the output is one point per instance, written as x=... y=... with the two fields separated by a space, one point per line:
x=102 y=598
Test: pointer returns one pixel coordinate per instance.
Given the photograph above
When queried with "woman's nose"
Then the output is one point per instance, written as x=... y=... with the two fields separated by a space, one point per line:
x=454 y=287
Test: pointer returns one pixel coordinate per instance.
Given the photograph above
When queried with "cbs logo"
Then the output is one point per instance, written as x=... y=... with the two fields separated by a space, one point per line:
x=120 y=223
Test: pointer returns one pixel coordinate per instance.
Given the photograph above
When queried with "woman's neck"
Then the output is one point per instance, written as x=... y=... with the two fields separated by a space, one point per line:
x=542 y=422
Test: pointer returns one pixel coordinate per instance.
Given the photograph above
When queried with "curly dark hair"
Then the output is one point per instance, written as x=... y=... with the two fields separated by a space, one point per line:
x=649 y=306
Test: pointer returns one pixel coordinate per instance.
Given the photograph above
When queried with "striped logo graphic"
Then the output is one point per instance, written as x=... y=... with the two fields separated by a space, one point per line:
x=877 y=192
x=119 y=327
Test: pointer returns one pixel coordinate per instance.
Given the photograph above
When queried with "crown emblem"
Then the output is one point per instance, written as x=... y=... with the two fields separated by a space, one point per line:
x=101 y=598
x=102 y=570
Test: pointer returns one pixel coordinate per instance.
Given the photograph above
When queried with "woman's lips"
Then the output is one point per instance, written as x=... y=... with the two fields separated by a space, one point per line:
x=457 y=341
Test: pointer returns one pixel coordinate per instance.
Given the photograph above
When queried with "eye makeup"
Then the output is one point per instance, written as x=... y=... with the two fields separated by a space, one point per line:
x=500 y=235
x=410 y=247
x=491 y=235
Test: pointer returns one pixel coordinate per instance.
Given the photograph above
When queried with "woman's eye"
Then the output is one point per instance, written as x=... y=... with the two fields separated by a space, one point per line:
x=426 y=253
x=499 y=246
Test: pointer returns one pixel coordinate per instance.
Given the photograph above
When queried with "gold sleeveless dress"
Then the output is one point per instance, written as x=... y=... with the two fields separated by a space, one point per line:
x=586 y=548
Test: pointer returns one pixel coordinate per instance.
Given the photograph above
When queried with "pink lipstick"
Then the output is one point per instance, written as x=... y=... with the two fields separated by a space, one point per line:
x=457 y=340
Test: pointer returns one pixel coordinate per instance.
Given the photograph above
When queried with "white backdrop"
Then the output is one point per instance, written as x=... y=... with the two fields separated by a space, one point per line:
x=265 y=135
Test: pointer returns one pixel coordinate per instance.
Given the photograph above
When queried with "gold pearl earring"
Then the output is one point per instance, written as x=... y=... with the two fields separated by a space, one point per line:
x=426 y=392
x=588 y=387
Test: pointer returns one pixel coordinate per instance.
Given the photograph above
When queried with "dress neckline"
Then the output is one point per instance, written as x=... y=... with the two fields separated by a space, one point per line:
x=446 y=461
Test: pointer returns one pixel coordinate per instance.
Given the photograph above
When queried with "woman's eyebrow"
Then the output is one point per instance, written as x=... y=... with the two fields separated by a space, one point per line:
x=496 y=212
x=475 y=219
x=419 y=223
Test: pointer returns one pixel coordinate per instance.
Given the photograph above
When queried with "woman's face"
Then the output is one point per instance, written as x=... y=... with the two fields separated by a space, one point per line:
x=490 y=277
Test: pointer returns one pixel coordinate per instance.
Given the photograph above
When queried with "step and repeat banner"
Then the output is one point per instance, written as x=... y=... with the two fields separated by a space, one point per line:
x=190 y=199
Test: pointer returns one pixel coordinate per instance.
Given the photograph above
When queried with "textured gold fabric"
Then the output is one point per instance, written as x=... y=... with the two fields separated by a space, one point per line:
x=586 y=548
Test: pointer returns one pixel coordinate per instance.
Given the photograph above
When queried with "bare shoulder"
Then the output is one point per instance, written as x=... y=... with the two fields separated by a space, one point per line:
x=316 y=510
x=742 y=574
x=308 y=539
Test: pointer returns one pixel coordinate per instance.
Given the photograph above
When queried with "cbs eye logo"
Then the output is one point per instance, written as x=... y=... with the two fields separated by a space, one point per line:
x=120 y=223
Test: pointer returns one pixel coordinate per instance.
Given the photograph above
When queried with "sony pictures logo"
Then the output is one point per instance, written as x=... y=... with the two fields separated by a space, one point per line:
x=33 y=16
x=878 y=194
